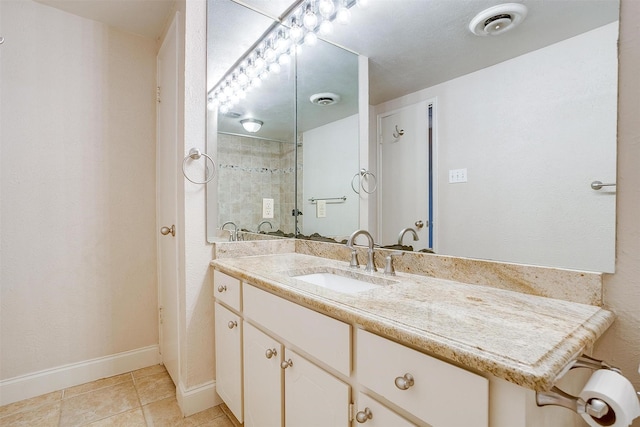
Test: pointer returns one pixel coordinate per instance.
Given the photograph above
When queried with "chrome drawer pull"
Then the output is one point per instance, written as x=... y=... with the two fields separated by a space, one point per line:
x=232 y=324
x=363 y=416
x=404 y=383
x=222 y=288
x=286 y=363
x=270 y=353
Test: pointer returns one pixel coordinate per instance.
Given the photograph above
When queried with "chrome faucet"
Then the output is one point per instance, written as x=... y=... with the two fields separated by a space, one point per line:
x=405 y=231
x=389 y=270
x=263 y=223
x=233 y=235
x=354 y=259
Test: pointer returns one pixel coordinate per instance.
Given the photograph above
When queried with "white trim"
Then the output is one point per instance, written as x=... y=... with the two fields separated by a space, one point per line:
x=197 y=399
x=48 y=380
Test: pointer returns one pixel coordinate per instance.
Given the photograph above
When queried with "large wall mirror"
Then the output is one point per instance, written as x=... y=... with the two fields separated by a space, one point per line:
x=529 y=116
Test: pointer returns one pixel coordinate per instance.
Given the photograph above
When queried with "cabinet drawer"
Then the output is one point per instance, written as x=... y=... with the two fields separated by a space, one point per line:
x=226 y=289
x=323 y=337
x=381 y=416
x=442 y=395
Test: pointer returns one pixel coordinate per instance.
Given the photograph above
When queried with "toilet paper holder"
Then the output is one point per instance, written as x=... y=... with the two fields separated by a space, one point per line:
x=556 y=397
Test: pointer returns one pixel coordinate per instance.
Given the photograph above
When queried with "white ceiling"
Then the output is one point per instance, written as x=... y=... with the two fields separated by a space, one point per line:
x=144 y=17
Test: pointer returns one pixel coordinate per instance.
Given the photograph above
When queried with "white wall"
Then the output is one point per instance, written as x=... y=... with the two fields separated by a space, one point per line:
x=621 y=343
x=327 y=174
x=78 y=258
x=533 y=133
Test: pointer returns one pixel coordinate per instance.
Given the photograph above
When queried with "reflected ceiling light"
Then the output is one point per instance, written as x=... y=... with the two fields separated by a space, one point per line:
x=251 y=125
x=498 y=19
x=324 y=98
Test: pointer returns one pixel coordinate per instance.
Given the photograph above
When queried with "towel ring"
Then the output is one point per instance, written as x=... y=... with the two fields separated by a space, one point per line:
x=363 y=175
x=195 y=154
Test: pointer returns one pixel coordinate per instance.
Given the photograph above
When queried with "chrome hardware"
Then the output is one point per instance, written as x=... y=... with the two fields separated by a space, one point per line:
x=585 y=361
x=556 y=397
x=263 y=223
x=363 y=416
x=315 y=199
x=398 y=133
x=166 y=230
x=597 y=185
x=270 y=353
x=388 y=263
x=405 y=382
x=363 y=176
x=408 y=230
x=233 y=234
x=222 y=288
x=286 y=363
x=232 y=324
x=370 y=264
x=419 y=224
x=354 y=259
x=195 y=154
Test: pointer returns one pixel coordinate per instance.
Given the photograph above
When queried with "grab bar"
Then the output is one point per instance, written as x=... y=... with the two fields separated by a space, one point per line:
x=315 y=199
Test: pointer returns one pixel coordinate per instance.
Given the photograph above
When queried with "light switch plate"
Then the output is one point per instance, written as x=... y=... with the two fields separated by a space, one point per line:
x=457 y=175
x=321 y=208
x=267 y=208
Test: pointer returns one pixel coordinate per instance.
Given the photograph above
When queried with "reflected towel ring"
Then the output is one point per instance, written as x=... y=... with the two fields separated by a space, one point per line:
x=195 y=154
x=398 y=133
x=363 y=175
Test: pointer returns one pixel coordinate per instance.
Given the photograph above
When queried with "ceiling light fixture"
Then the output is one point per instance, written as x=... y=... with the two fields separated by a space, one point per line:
x=498 y=19
x=251 y=125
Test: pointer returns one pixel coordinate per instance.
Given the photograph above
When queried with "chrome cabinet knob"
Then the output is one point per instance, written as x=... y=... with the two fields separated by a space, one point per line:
x=419 y=224
x=363 y=416
x=166 y=230
x=270 y=353
x=232 y=324
x=286 y=363
x=405 y=382
x=222 y=288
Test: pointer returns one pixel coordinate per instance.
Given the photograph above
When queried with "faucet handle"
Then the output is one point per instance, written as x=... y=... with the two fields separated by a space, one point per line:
x=388 y=263
x=354 y=259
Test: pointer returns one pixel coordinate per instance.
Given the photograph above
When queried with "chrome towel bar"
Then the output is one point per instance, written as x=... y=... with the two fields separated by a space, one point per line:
x=597 y=185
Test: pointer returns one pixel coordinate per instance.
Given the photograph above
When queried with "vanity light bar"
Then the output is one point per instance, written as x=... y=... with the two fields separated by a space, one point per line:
x=274 y=50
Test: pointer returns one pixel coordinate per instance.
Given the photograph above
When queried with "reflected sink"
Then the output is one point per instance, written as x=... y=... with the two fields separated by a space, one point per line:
x=342 y=281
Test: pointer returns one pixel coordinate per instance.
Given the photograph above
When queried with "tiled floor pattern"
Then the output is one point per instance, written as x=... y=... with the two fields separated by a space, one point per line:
x=145 y=397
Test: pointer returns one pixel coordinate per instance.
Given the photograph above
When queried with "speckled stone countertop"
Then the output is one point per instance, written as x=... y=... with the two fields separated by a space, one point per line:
x=525 y=339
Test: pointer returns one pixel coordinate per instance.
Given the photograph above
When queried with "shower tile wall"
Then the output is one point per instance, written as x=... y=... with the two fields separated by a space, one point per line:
x=252 y=169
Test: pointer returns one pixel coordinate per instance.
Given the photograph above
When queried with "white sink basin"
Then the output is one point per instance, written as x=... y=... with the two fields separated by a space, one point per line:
x=339 y=281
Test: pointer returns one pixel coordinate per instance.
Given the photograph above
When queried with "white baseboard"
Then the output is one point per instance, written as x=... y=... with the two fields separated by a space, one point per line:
x=197 y=398
x=48 y=380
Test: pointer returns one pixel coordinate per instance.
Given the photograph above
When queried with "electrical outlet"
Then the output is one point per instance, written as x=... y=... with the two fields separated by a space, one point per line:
x=267 y=208
x=457 y=175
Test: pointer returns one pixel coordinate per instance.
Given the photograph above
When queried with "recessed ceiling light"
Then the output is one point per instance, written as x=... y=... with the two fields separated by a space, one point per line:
x=325 y=98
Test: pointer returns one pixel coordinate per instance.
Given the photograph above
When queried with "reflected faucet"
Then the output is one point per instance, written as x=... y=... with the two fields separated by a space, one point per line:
x=405 y=231
x=233 y=235
x=263 y=223
x=354 y=259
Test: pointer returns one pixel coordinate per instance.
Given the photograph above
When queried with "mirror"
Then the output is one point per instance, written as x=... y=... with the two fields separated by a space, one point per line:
x=484 y=120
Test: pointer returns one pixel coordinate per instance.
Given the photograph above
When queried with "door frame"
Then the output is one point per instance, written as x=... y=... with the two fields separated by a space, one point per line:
x=433 y=205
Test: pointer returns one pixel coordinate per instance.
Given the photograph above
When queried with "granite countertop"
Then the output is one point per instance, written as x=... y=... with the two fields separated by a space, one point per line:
x=525 y=339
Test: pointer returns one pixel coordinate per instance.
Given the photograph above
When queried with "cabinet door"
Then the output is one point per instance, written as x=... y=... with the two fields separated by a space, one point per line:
x=313 y=397
x=262 y=379
x=229 y=359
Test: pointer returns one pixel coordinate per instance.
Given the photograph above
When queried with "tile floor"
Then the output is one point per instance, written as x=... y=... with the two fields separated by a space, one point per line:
x=145 y=397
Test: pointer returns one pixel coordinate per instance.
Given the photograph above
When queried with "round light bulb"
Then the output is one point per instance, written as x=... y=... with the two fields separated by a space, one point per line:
x=295 y=33
x=274 y=68
x=362 y=3
x=284 y=59
x=310 y=20
x=310 y=39
x=326 y=8
x=343 y=15
x=326 y=27
x=256 y=82
x=224 y=108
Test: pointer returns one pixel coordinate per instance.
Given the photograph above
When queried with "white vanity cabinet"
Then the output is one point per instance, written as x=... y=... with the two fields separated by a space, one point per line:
x=373 y=414
x=228 y=330
x=436 y=392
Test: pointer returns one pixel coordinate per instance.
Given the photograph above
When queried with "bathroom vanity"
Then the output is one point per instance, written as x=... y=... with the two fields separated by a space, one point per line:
x=408 y=350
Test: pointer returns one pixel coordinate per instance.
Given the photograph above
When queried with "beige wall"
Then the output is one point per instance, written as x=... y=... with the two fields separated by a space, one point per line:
x=621 y=344
x=78 y=254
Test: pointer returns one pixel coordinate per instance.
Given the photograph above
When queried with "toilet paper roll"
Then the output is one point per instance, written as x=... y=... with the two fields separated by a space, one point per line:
x=617 y=392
